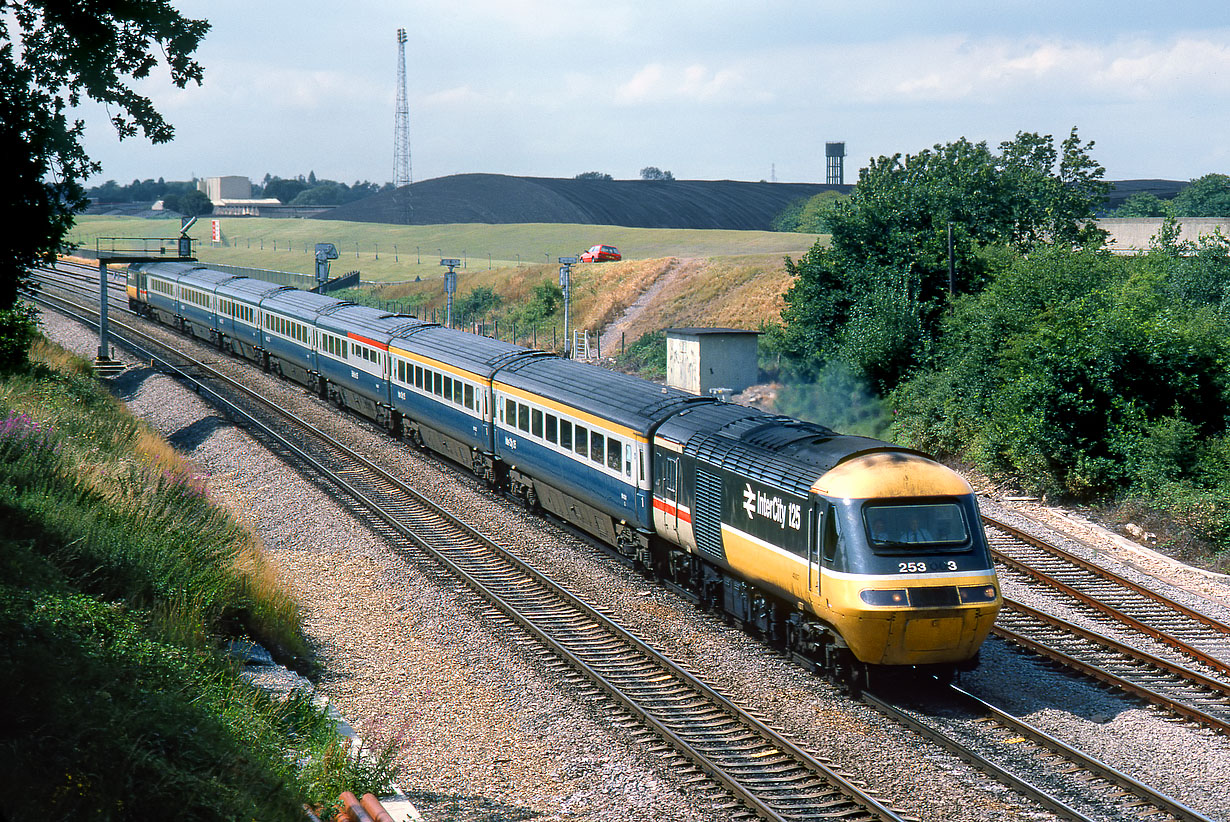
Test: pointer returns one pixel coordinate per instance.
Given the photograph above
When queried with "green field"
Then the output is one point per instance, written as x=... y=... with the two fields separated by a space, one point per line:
x=389 y=253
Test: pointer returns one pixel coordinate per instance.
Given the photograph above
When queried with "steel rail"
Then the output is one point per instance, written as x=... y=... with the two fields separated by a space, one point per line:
x=1101 y=672
x=1105 y=573
x=1090 y=765
x=1149 y=599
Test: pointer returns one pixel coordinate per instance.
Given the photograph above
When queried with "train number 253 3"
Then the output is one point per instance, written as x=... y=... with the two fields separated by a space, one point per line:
x=921 y=567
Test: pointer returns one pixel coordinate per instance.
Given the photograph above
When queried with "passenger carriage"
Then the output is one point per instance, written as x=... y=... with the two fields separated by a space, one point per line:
x=239 y=316
x=441 y=386
x=154 y=289
x=353 y=359
x=576 y=440
x=288 y=333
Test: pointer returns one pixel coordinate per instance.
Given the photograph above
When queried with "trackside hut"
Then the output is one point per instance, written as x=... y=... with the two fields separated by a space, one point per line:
x=699 y=360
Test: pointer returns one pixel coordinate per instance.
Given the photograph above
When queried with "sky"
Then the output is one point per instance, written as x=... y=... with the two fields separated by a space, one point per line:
x=706 y=90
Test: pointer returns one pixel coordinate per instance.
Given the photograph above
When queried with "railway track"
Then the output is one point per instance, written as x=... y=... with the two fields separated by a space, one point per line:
x=1182 y=691
x=1051 y=772
x=1185 y=670
x=761 y=769
x=1112 y=597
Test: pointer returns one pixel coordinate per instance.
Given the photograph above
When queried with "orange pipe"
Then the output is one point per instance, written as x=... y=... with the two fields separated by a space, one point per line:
x=372 y=805
x=353 y=810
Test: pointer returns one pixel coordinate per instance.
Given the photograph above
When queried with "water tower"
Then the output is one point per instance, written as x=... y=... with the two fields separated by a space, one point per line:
x=834 y=163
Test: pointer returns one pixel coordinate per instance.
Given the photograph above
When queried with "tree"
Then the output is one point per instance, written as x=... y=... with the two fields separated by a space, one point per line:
x=194 y=204
x=655 y=173
x=1207 y=196
x=52 y=55
x=889 y=247
x=593 y=175
x=327 y=193
x=1142 y=204
x=285 y=190
x=807 y=215
x=482 y=300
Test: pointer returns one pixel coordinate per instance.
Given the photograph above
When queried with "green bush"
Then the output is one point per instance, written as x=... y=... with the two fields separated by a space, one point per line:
x=119 y=582
x=646 y=356
x=837 y=399
x=18 y=328
x=1084 y=375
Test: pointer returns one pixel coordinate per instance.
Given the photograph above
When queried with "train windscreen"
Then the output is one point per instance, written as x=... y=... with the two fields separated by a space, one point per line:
x=936 y=525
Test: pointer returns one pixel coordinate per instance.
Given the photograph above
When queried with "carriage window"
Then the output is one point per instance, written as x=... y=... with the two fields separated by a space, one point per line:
x=469 y=397
x=536 y=422
x=552 y=427
x=829 y=545
x=457 y=396
x=612 y=454
x=510 y=412
x=523 y=417
x=448 y=389
x=437 y=383
x=418 y=376
x=565 y=434
x=580 y=440
x=597 y=451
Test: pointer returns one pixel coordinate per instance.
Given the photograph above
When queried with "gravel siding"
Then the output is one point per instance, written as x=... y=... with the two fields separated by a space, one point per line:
x=489 y=731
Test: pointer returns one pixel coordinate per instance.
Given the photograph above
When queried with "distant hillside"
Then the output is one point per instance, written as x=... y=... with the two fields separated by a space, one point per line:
x=1122 y=189
x=497 y=198
x=702 y=204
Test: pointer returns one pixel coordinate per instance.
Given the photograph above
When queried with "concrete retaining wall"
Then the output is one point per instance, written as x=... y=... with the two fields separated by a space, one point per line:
x=1134 y=233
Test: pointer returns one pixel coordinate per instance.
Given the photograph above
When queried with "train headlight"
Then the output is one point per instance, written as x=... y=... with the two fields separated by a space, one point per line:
x=884 y=596
x=971 y=594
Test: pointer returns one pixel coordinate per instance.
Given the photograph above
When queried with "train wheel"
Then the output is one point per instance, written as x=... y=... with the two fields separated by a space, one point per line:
x=846 y=672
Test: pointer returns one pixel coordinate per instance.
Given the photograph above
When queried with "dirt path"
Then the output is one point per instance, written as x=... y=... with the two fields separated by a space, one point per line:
x=675 y=268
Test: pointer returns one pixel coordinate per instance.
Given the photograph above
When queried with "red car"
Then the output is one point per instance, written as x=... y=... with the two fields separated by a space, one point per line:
x=601 y=254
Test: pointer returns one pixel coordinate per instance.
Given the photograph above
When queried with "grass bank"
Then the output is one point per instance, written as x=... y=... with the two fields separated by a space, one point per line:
x=121 y=582
x=389 y=253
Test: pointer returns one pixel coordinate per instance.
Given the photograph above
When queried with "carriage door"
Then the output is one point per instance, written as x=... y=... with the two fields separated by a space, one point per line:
x=671 y=491
x=815 y=530
x=666 y=493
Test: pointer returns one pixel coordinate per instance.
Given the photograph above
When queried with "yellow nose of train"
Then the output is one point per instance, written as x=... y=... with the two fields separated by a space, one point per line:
x=911 y=581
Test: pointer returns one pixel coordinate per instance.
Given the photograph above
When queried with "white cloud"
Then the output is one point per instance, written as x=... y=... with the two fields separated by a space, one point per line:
x=658 y=83
x=994 y=70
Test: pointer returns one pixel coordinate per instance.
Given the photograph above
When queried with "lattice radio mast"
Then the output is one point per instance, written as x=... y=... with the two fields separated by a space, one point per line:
x=402 y=174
